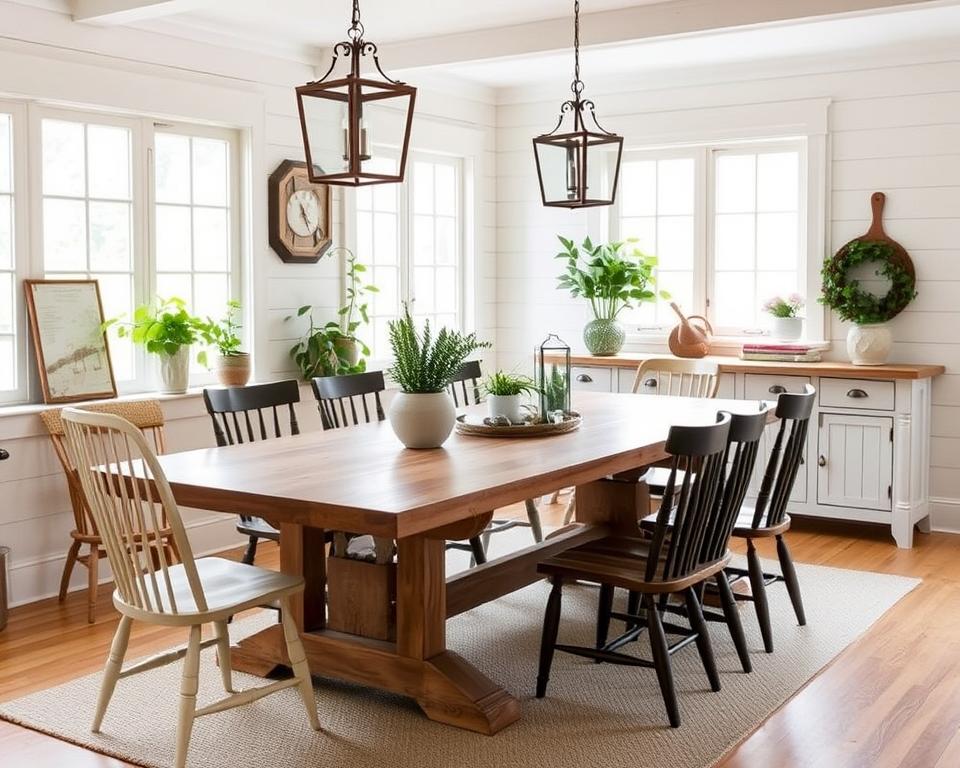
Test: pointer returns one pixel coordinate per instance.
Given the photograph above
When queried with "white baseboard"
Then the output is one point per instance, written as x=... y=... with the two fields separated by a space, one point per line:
x=39 y=578
x=945 y=515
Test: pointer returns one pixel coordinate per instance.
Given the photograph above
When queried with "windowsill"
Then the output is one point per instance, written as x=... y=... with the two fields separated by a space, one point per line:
x=26 y=409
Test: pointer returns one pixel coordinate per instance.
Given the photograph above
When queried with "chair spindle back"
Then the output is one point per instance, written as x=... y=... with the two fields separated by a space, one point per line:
x=130 y=515
x=336 y=394
x=794 y=410
x=231 y=408
x=677 y=377
x=465 y=384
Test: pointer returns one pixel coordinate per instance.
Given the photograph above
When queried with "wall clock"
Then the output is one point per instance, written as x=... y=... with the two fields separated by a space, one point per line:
x=299 y=214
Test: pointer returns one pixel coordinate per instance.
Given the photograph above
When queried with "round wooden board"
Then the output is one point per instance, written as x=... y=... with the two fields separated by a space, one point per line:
x=570 y=423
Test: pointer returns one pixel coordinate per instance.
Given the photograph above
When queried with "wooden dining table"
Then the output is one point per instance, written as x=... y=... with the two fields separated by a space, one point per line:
x=362 y=480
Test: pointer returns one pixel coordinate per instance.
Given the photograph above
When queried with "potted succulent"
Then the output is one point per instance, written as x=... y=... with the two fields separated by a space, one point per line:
x=333 y=349
x=612 y=279
x=869 y=340
x=422 y=414
x=166 y=330
x=785 y=312
x=505 y=395
x=233 y=365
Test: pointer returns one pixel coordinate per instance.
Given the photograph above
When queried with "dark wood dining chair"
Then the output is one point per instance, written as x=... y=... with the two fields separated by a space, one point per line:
x=247 y=414
x=464 y=387
x=743 y=445
x=688 y=548
x=769 y=518
x=354 y=399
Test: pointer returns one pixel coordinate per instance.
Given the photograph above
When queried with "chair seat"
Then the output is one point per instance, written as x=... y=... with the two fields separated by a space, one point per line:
x=621 y=561
x=744 y=529
x=229 y=587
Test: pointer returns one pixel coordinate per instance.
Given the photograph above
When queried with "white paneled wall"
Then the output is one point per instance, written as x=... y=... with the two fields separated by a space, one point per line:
x=893 y=128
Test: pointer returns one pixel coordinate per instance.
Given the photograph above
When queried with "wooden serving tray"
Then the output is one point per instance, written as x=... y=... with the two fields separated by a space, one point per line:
x=570 y=422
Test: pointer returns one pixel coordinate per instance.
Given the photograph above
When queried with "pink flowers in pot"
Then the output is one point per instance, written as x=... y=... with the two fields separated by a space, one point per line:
x=778 y=306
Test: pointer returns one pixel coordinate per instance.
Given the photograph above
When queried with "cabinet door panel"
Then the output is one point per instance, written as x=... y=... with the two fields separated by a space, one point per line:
x=855 y=461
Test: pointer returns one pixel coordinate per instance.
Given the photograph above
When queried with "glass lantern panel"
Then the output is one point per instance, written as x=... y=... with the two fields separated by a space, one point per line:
x=559 y=170
x=383 y=128
x=327 y=132
x=601 y=167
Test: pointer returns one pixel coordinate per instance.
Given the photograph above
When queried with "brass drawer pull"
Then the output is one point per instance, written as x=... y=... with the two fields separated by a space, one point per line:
x=585 y=378
x=777 y=389
x=857 y=393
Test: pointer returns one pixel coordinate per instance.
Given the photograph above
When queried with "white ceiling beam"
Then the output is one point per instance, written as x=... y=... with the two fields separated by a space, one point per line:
x=113 y=12
x=640 y=22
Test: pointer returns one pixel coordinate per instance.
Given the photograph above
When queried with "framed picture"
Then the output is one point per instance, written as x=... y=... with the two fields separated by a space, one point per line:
x=66 y=319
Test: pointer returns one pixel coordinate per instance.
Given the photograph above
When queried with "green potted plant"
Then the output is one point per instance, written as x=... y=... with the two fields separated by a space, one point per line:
x=233 y=365
x=612 y=278
x=505 y=393
x=333 y=349
x=422 y=414
x=869 y=340
x=785 y=314
x=166 y=329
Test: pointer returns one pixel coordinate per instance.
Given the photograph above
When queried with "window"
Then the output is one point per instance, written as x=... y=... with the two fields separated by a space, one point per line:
x=410 y=237
x=9 y=378
x=727 y=225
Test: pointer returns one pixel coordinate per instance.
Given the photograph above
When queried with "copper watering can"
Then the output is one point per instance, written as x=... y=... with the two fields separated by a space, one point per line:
x=689 y=338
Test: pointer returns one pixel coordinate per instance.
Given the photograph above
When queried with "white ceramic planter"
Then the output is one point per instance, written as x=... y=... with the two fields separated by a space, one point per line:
x=233 y=370
x=175 y=371
x=422 y=420
x=510 y=406
x=787 y=328
x=869 y=344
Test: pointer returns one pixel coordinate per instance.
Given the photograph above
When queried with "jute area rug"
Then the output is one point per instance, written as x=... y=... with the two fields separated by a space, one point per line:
x=594 y=715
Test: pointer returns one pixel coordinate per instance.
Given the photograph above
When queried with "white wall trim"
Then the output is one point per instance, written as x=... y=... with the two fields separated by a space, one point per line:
x=945 y=514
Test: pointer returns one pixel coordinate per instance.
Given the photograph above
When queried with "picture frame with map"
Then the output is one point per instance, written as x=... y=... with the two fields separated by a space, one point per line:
x=73 y=355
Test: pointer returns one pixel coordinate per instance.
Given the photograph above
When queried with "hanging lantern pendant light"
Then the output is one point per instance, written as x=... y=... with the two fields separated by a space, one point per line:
x=339 y=118
x=579 y=168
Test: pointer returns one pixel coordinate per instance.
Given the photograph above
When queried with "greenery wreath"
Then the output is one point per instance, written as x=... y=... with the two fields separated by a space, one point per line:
x=844 y=294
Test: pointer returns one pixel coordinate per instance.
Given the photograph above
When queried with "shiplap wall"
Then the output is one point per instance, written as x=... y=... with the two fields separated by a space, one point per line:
x=129 y=70
x=893 y=128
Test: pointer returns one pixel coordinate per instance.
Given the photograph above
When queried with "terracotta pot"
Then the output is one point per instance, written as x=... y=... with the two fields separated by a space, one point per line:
x=348 y=348
x=233 y=370
x=869 y=344
x=422 y=419
x=175 y=371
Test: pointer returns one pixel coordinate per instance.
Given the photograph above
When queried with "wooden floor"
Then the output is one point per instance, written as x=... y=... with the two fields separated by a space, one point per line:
x=891 y=699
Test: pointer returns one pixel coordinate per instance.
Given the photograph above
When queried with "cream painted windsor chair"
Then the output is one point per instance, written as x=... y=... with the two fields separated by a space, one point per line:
x=151 y=588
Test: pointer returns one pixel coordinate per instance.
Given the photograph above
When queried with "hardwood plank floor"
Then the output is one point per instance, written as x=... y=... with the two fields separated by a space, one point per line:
x=891 y=699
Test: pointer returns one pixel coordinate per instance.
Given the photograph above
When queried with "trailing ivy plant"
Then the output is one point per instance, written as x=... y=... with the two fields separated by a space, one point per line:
x=424 y=363
x=608 y=275
x=849 y=300
x=321 y=350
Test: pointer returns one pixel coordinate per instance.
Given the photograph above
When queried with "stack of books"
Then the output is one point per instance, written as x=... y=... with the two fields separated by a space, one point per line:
x=783 y=351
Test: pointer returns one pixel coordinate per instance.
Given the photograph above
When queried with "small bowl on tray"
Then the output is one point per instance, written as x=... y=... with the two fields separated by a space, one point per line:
x=475 y=425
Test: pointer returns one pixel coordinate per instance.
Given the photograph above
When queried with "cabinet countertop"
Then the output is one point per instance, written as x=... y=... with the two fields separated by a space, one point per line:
x=736 y=365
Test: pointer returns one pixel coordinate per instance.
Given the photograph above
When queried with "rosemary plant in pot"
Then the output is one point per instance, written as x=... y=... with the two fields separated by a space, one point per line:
x=232 y=365
x=167 y=330
x=505 y=393
x=612 y=279
x=422 y=413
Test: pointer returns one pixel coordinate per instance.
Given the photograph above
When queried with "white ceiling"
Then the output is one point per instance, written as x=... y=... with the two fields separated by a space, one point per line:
x=323 y=22
x=855 y=35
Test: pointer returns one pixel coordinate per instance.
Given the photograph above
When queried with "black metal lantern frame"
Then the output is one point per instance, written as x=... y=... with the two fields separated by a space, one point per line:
x=553 y=372
x=565 y=159
x=356 y=93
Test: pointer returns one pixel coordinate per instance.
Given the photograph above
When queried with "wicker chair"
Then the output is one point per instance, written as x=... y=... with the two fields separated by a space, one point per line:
x=148 y=418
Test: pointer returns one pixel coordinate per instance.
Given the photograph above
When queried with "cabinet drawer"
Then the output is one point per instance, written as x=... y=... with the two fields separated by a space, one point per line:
x=592 y=379
x=625 y=379
x=762 y=386
x=857 y=393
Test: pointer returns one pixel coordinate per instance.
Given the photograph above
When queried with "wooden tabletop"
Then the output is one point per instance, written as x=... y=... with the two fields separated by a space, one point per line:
x=729 y=364
x=361 y=479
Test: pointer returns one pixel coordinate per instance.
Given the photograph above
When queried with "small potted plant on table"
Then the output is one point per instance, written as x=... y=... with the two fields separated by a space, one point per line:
x=505 y=395
x=422 y=414
x=233 y=366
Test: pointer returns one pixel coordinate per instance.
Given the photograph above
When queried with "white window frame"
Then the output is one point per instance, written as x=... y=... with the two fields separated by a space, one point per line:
x=704 y=156
x=21 y=250
x=143 y=241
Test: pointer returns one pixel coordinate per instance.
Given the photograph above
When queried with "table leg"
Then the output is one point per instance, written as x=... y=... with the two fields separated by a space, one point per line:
x=618 y=503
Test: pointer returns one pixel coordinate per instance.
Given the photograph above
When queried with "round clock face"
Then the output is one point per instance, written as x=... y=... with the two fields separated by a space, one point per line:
x=303 y=212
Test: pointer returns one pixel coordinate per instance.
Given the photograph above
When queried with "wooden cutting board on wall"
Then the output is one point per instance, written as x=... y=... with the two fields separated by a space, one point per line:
x=877 y=234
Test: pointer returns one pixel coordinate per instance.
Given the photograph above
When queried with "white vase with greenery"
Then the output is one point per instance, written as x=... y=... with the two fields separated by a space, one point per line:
x=505 y=393
x=422 y=414
x=786 y=323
